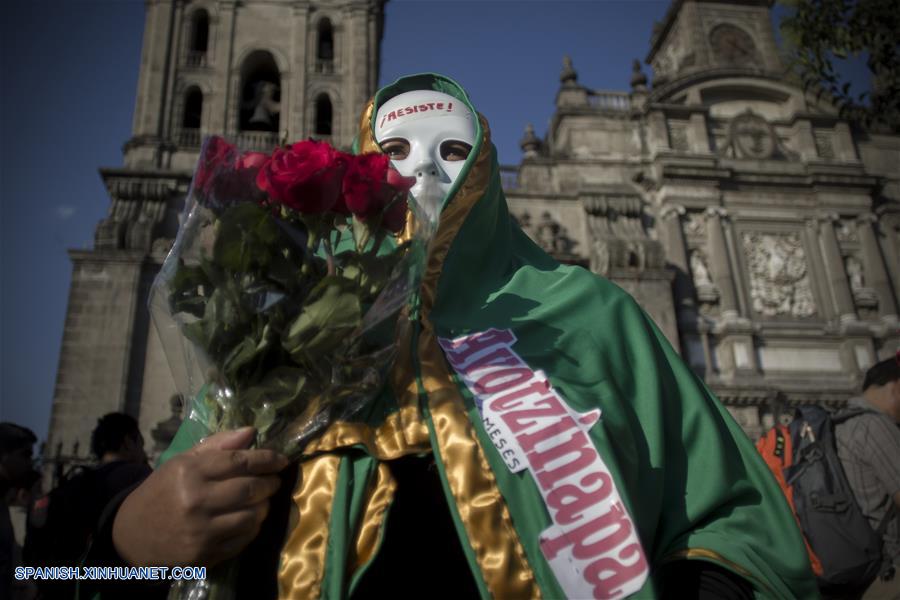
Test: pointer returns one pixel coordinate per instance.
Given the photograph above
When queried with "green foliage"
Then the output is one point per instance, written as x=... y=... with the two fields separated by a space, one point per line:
x=821 y=32
x=279 y=323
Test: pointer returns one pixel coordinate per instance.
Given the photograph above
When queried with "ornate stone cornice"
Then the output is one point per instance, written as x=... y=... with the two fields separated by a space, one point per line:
x=827 y=217
x=671 y=210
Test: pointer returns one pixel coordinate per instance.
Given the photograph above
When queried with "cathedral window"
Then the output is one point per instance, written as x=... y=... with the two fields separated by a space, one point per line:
x=325 y=47
x=191 y=118
x=324 y=115
x=260 y=107
x=199 y=39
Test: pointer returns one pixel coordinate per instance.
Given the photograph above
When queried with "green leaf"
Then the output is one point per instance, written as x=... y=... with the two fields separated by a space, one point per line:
x=333 y=313
x=190 y=288
x=279 y=387
x=247 y=237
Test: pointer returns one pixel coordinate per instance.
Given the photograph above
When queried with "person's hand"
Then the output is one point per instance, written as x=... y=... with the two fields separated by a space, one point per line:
x=201 y=507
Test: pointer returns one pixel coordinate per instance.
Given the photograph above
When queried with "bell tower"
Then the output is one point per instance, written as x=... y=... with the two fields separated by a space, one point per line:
x=259 y=72
x=712 y=38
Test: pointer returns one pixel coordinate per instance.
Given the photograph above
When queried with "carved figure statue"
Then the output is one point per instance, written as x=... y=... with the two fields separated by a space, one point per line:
x=699 y=270
x=855 y=273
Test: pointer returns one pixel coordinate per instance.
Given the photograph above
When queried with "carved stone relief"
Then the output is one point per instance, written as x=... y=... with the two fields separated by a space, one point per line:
x=548 y=233
x=751 y=136
x=824 y=141
x=779 y=280
x=695 y=226
x=678 y=135
x=618 y=228
x=845 y=231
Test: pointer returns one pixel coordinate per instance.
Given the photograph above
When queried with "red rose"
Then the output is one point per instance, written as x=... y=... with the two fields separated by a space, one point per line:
x=305 y=176
x=216 y=154
x=251 y=160
x=373 y=188
x=236 y=182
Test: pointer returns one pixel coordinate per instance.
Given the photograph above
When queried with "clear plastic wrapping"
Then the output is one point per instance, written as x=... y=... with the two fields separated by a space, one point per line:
x=277 y=305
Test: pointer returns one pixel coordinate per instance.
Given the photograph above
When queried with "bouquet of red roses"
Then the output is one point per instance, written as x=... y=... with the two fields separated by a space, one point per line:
x=277 y=303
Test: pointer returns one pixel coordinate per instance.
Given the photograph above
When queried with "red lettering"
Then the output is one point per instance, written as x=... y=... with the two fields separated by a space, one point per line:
x=501 y=357
x=616 y=517
x=570 y=501
x=513 y=399
x=411 y=110
x=440 y=106
x=528 y=441
x=522 y=419
x=579 y=445
x=609 y=575
x=449 y=106
x=431 y=105
x=391 y=116
x=423 y=107
x=469 y=345
x=510 y=378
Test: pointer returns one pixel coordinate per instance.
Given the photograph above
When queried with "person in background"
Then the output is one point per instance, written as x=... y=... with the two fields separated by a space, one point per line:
x=868 y=446
x=63 y=523
x=618 y=473
x=16 y=448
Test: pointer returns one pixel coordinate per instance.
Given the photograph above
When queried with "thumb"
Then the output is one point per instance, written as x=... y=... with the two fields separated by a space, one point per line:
x=237 y=439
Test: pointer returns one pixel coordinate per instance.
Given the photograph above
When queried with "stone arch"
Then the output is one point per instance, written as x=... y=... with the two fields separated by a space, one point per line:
x=198 y=36
x=323 y=120
x=259 y=92
x=325 y=39
x=197 y=26
x=187 y=127
x=192 y=115
x=333 y=94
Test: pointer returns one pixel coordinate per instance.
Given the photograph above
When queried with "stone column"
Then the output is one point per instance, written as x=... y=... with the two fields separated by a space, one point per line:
x=718 y=254
x=295 y=116
x=843 y=142
x=875 y=272
x=698 y=137
x=676 y=250
x=890 y=248
x=806 y=145
x=657 y=135
x=220 y=113
x=834 y=264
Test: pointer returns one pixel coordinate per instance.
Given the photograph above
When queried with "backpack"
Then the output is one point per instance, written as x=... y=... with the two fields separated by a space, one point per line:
x=844 y=551
x=60 y=524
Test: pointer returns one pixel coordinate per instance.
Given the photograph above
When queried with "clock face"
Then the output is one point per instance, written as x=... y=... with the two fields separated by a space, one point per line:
x=732 y=45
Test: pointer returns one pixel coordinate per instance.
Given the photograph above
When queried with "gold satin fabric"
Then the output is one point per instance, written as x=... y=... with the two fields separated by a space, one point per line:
x=303 y=555
x=379 y=499
x=481 y=508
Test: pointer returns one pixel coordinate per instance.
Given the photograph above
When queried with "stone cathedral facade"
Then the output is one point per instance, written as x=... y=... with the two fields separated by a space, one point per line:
x=759 y=229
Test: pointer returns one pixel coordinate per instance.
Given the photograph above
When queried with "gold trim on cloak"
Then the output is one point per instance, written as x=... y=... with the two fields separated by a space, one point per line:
x=302 y=564
x=481 y=508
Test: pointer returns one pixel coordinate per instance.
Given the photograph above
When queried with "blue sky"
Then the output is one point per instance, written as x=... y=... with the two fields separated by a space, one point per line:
x=68 y=71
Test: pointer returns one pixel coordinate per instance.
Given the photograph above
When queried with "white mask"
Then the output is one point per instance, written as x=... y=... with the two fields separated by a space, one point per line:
x=428 y=135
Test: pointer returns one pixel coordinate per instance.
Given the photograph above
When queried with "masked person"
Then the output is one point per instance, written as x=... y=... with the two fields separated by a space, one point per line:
x=539 y=436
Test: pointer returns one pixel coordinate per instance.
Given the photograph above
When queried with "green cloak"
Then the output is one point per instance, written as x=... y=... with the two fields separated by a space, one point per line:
x=664 y=465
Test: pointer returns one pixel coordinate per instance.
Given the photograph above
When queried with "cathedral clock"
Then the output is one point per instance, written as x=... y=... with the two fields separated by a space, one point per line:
x=732 y=45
